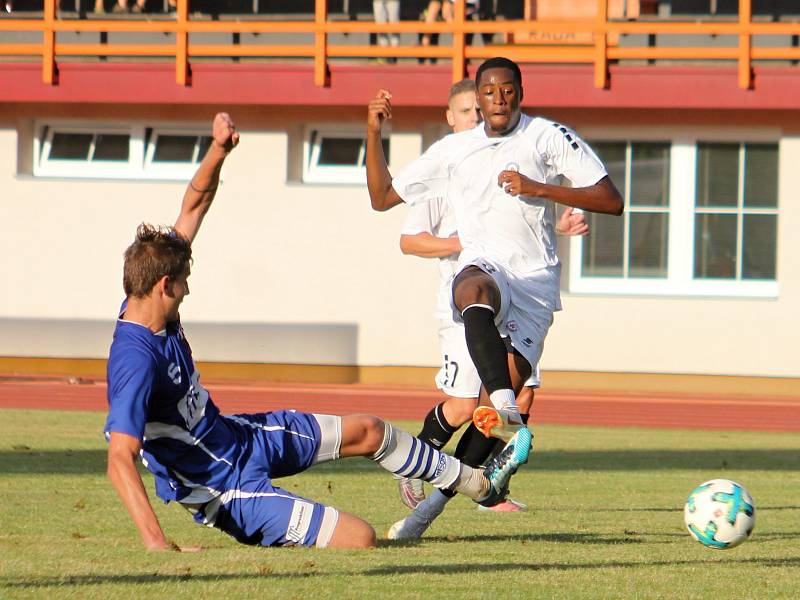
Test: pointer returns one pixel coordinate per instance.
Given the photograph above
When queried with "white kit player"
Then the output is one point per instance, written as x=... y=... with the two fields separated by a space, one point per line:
x=501 y=180
x=430 y=231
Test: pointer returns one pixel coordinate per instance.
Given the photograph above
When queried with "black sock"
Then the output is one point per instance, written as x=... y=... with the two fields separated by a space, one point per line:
x=436 y=431
x=477 y=447
x=486 y=348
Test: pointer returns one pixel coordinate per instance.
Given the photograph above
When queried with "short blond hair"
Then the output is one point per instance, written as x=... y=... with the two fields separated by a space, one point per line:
x=460 y=87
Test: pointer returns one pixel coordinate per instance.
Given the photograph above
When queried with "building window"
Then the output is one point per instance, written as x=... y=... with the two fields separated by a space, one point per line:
x=701 y=218
x=132 y=151
x=101 y=152
x=173 y=153
x=736 y=211
x=336 y=156
x=635 y=245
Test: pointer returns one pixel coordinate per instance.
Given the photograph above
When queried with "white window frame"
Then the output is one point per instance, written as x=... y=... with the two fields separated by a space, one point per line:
x=312 y=145
x=680 y=279
x=139 y=165
x=44 y=167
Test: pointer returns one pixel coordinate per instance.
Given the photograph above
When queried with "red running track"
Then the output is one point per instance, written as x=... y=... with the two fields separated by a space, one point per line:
x=661 y=410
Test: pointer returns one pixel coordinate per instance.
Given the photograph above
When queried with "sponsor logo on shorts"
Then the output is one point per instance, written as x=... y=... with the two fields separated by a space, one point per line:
x=300 y=521
x=440 y=467
x=512 y=326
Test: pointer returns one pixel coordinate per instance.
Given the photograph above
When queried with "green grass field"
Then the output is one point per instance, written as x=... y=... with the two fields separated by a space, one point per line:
x=606 y=521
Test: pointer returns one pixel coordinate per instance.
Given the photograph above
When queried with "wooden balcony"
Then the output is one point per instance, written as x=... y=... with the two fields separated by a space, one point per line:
x=555 y=37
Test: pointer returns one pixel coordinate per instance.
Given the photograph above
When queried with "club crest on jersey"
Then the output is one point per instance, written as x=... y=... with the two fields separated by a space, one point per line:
x=174 y=373
x=512 y=326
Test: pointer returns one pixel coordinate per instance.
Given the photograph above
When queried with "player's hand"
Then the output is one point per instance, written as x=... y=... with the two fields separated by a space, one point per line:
x=379 y=110
x=224 y=132
x=515 y=183
x=572 y=223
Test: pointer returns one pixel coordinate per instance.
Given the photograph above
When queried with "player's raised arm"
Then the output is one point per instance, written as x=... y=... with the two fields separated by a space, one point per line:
x=123 y=451
x=379 y=181
x=203 y=186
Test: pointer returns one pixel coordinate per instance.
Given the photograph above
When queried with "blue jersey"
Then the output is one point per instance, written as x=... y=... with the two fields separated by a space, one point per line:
x=154 y=394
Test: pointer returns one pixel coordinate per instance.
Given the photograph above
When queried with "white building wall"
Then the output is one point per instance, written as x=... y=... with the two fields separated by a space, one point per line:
x=293 y=273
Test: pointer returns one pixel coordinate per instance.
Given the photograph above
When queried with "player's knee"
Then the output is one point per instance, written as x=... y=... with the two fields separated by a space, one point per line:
x=366 y=433
x=374 y=432
x=475 y=287
x=459 y=410
x=352 y=532
x=366 y=538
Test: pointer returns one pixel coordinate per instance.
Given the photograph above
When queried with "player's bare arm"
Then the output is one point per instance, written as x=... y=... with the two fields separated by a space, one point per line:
x=427 y=245
x=602 y=197
x=379 y=181
x=203 y=186
x=123 y=451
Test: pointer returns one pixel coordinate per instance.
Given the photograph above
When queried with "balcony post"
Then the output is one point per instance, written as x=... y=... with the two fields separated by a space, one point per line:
x=49 y=69
x=745 y=45
x=459 y=45
x=601 y=46
x=321 y=70
x=182 y=76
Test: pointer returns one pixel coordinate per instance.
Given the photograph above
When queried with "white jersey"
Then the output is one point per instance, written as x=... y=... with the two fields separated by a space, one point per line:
x=516 y=233
x=435 y=217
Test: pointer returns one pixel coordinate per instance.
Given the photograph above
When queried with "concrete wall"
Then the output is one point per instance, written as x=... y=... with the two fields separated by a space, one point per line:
x=288 y=272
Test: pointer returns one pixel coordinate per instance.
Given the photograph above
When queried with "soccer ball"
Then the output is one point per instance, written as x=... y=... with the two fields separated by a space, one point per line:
x=720 y=514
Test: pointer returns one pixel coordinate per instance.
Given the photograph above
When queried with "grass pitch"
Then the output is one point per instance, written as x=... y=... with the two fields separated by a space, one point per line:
x=606 y=521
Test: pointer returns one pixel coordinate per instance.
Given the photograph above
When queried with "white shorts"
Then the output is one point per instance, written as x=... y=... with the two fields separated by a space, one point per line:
x=458 y=376
x=521 y=318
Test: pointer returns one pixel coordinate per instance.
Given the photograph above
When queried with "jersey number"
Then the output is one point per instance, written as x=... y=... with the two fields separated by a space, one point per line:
x=450 y=372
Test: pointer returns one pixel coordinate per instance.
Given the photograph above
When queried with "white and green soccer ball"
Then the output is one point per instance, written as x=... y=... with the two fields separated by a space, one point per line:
x=720 y=514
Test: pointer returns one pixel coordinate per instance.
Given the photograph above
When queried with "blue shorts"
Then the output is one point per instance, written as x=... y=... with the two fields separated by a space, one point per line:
x=251 y=508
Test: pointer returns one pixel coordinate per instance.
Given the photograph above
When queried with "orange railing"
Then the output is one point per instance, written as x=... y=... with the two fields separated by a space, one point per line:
x=598 y=53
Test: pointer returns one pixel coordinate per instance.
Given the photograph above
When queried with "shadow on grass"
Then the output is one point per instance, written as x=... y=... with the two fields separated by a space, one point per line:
x=427 y=569
x=32 y=461
x=566 y=538
x=421 y=569
x=81 y=580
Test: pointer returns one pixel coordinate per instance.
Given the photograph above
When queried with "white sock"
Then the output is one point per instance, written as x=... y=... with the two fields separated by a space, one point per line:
x=504 y=400
x=431 y=507
x=472 y=483
x=407 y=456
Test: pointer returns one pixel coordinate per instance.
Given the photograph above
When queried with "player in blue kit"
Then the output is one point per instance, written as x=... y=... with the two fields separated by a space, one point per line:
x=222 y=467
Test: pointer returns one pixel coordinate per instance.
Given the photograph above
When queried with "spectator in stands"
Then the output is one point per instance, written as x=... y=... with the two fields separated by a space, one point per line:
x=123 y=6
x=387 y=11
x=431 y=15
x=475 y=10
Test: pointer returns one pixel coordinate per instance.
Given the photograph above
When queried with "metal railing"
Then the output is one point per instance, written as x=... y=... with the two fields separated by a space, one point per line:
x=598 y=53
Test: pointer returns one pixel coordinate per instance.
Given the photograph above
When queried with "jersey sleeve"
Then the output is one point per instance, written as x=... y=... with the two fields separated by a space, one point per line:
x=425 y=178
x=131 y=378
x=423 y=217
x=568 y=155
